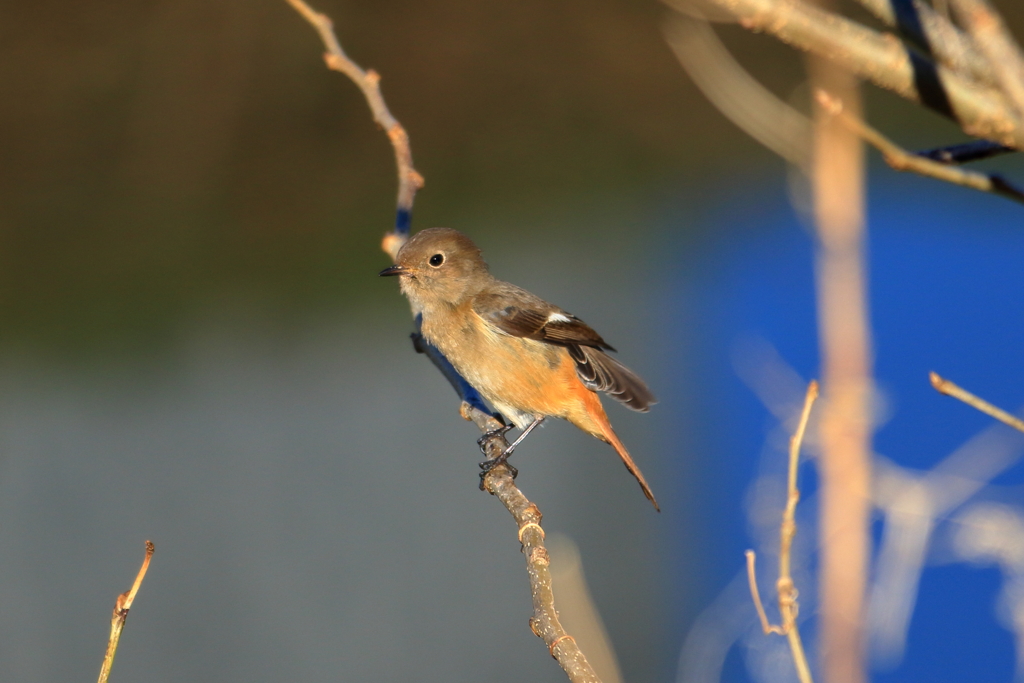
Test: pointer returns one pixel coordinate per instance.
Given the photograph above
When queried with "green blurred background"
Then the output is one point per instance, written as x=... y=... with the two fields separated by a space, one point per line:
x=195 y=348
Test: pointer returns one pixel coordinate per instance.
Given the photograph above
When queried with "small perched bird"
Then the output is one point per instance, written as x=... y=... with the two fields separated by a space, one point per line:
x=528 y=358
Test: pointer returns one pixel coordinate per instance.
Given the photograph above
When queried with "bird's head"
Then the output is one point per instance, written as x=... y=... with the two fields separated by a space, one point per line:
x=439 y=266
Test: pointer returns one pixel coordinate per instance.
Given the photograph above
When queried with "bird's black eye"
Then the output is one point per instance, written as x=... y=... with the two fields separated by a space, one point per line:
x=436 y=260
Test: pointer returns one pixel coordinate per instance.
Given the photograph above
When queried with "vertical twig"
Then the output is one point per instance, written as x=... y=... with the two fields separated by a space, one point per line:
x=121 y=607
x=837 y=180
x=409 y=180
x=788 y=608
x=498 y=480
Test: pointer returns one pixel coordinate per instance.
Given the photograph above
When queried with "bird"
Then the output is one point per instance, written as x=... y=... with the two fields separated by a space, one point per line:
x=529 y=359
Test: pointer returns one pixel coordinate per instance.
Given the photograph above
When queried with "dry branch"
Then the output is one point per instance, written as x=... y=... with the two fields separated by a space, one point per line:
x=409 y=180
x=788 y=608
x=121 y=607
x=989 y=32
x=944 y=386
x=902 y=160
x=935 y=35
x=498 y=480
x=544 y=623
x=737 y=94
x=882 y=59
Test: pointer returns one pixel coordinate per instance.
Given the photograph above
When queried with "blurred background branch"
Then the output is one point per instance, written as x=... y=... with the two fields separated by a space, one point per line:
x=986 y=27
x=945 y=386
x=837 y=179
x=788 y=607
x=902 y=160
x=971 y=76
x=738 y=95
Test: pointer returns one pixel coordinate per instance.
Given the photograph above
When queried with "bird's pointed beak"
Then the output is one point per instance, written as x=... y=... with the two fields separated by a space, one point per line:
x=393 y=270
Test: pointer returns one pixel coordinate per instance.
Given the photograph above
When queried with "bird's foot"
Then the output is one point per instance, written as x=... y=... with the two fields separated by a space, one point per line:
x=487 y=465
x=502 y=459
x=485 y=439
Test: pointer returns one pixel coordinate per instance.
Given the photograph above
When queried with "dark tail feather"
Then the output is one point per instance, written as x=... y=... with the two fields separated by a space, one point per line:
x=600 y=372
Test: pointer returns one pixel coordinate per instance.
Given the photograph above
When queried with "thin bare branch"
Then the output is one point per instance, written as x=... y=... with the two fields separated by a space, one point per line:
x=935 y=35
x=788 y=607
x=544 y=622
x=121 y=607
x=902 y=160
x=886 y=62
x=498 y=480
x=793 y=497
x=737 y=94
x=755 y=594
x=944 y=386
x=409 y=180
x=990 y=34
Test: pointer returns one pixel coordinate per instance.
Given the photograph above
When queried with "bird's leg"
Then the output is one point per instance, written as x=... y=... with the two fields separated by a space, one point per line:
x=533 y=425
x=491 y=463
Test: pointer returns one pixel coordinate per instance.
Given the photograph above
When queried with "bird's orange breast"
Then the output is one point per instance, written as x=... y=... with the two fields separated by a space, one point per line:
x=528 y=376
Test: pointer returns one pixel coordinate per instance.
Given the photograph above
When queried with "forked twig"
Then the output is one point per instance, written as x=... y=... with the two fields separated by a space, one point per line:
x=788 y=607
x=544 y=622
x=981 y=111
x=902 y=160
x=121 y=607
x=409 y=180
x=944 y=386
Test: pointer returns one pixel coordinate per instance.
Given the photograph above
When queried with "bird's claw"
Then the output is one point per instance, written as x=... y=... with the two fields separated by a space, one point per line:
x=491 y=463
x=501 y=459
x=483 y=440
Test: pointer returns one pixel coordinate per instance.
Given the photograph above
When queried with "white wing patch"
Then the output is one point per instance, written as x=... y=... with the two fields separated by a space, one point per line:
x=558 y=318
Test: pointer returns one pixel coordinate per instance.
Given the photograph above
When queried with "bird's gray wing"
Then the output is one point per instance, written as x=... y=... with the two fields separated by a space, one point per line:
x=518 y=313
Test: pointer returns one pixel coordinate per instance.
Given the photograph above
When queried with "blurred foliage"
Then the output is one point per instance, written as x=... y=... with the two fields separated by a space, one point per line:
x=166 y=157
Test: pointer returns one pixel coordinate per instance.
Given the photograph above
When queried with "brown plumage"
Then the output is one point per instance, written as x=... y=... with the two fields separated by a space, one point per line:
x=528 y=358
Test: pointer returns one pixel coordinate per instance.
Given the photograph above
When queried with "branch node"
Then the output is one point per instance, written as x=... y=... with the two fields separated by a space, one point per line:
x=533 y=627
x=531 y=525
x=557 y=642
x=539 y=556
x=830 y=103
